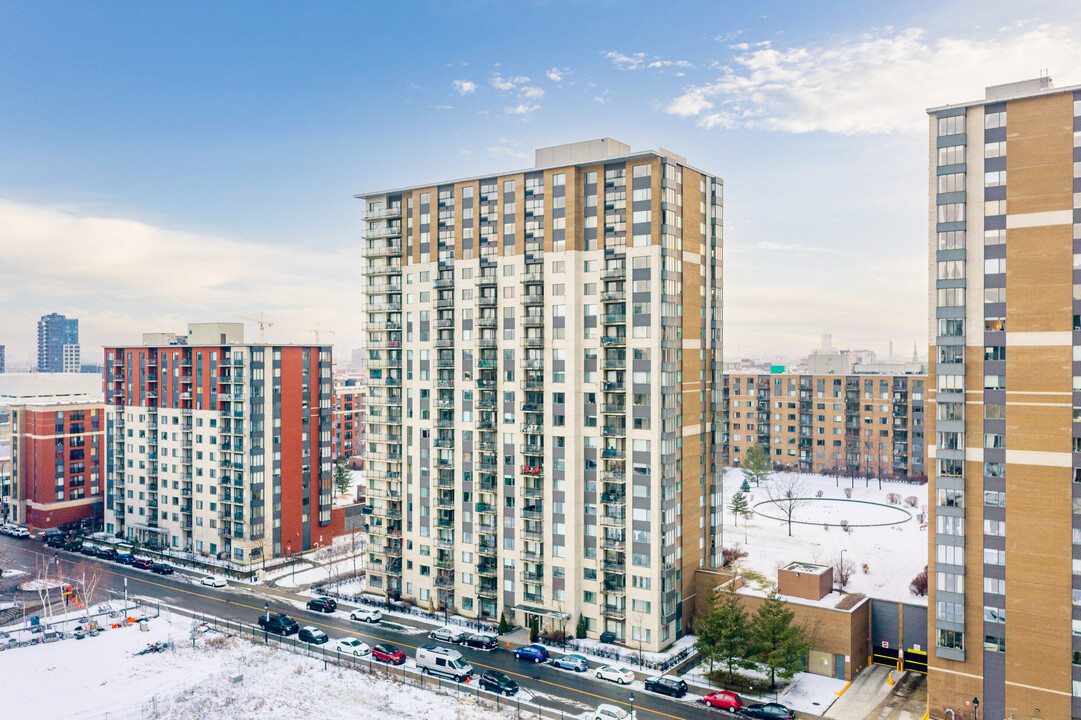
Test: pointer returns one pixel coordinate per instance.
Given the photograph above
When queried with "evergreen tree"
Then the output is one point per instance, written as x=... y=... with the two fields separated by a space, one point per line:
x=756 y=466
x=738 y=506
x=776 y=640
x=580 y=630
x=342 y=478
x=724 y=634
x=745 y=487
x=534 y=630
x=504 y=625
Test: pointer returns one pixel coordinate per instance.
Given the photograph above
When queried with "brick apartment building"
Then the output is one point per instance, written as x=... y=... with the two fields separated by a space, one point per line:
x=857 y=424
x=347 y=439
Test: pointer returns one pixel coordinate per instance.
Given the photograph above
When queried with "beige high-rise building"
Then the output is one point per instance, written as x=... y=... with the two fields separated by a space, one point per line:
x=544 y=372
x=1003 y=429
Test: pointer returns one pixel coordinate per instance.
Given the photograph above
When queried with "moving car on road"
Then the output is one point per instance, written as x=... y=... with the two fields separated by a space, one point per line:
x=449 y=634
x=498 y=682
x=214 y=581
x=725 y=700
x=667 y=685
x=353 y=646
x=443 y=661
x=313 y=635
x=368 y=616
x=481 y=641
x=278 y=624
x=323 y=604
x=769 y=711
x=577 y=663
x=388 y=653
x=536 y=653
x=616 y=674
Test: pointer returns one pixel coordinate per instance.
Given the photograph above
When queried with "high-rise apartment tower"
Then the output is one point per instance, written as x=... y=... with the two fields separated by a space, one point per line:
x=544 y=373
x=1004 y=418
x=56 y=336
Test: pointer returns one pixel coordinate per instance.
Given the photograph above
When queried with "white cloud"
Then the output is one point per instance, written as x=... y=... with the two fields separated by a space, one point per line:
x=444 y=107
x=532 y=93
x=506 y=151
x=123 y=277
x=879 y=82
x=465 y=87
x=507 y=83
x=643 y=61
x=523 y=109
x=555 y=75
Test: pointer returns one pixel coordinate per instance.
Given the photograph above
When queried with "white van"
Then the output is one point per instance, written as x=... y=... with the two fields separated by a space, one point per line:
x=443 y=661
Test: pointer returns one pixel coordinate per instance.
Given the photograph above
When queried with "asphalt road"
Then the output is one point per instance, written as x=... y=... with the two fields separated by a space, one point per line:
x=574 y=693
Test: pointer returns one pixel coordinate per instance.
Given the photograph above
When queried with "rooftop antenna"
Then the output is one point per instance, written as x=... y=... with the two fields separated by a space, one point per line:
x=261 y=321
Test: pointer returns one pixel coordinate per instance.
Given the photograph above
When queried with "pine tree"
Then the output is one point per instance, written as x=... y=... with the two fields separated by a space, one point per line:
x=504 y=625
x=580 y=630
x=776 y=641
x=756 y=466
x=724 y=634
x=534 y=630
x=745 y=487
x=738 y=506
x=342 y=479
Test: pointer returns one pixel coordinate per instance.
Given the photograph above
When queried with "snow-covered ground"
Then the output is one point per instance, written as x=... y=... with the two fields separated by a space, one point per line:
x=587 y=648
x=322 y=574
x=349 y=497
x=886 y=558
x=193 y=680
x=811 y=693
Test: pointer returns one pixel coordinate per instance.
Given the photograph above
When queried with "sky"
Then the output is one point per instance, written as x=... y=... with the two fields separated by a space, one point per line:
x=169 y=162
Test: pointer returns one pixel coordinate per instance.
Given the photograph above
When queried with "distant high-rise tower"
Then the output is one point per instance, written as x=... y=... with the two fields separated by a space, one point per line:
x=3 y=361
x=1003 y=421
x=54 y=333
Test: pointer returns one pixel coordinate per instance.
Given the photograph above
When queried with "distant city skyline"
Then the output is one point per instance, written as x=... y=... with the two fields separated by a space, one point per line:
x=141 y=187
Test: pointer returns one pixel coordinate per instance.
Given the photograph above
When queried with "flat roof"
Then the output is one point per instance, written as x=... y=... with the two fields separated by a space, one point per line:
x=1007 y=98
x=597 y=161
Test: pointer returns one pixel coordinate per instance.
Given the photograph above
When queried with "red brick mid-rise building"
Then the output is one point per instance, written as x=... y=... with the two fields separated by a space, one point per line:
x=57 y=451
x=219 y=447
x=347 y=439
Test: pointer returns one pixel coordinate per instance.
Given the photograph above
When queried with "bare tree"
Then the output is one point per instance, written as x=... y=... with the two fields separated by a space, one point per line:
x=87 y=579
x=843 y=570
x=788 y=493
x=638 y=622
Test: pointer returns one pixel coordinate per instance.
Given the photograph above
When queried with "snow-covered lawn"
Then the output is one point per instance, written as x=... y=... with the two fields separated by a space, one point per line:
x=886 y=558
x=349 y=497
x=106 y=678
x=322 y=574
x=628 y=655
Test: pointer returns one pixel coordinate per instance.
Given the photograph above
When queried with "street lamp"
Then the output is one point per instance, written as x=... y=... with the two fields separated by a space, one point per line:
x=976 y=707
x=632 y=706
x=266 y=621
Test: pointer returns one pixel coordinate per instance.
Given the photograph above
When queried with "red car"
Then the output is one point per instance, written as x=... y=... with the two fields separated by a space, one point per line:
x=389 y=654
x=724 y=700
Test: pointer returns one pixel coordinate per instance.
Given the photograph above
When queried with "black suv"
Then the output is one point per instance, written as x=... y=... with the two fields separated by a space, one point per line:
x=323 y=604
x=498 y=682
x=108 y=554
x=279 y=624
x=667 y=686
x=54 y=538
x=73 y=544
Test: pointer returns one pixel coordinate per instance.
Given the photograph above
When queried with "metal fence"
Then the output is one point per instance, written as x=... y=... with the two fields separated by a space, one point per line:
x=411 y=610
x=632 y=658
x=110 y=615
x=468 y=690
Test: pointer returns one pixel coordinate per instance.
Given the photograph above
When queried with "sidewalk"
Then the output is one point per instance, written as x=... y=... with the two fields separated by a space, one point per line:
x=867 y=691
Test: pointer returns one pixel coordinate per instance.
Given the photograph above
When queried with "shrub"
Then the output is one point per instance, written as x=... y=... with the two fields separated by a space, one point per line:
x=844 y=525
x=553 y=637
x=893 y=499
x=918 y=586
x=848 y=493
x=504 y=626
x=850 y=601
x=912 y=501
x=818 y=494
x=580 y=630
x=729 y=556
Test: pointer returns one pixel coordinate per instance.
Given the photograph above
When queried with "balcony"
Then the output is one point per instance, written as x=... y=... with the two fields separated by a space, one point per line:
x=529 y=278
x=613 y=544
x=613 y=273
x=533 y=299
x=613 y=296
x=614 y=612
x=532 y=578
x=532 y=364
x=488 y=591
x=486 y=278
x=487 y=301
x=614 y=340
x=614 y=409
x=613 y=520
x=533 y=491
x=385 y=231
x=387 y=250
x=614 y=431
x=487 y=321
x=374 y=270
x=533 y=342
x=487 y=341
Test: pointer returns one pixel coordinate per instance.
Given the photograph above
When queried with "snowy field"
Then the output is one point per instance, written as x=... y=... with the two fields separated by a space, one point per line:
x=108 y=680
x=886 y=557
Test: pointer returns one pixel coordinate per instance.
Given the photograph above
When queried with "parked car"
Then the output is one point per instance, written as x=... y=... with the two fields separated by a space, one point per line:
x=88 y=549
x=51 y=636
x=667 y=685
x=449 y=634
x=323 y=604
x=108 y=553
x=576 y=663
x=769 y=711
x=72 y=544
x=368 y=616
x=482 y=641
x=605 y=711
x=608 y=637
x=498 y=682
x=5 y=529
x=19 y=532
x=142 y=563
x=7 y=641
x=536 y=653
x=313 y=635
x=278 y=624
x=162 y=568
x=54 y=538
x=443 y=661
x=124 y=558
x=615 y=673
x=214 y=581
x=388 y=653
x=352 y=646
x=725 y=700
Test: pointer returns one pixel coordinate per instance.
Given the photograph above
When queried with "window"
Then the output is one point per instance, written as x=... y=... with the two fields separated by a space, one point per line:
x=952 y=182
x=994 y=149
x=952 y=639
x=951 y=212
x=994 y=120
x=951 y=125
x=641 y=171
x=951 y=270
x=954 y=155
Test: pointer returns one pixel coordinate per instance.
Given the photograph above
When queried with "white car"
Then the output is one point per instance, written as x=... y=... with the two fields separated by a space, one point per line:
x=449 y=634
x=19 y=531
x=368 y=616
x=352 y=646
x=605 y=711
x=615 y=673
x=214 y=581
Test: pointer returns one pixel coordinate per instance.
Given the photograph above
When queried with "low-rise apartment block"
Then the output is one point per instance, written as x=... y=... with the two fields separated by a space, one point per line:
x=347 y=438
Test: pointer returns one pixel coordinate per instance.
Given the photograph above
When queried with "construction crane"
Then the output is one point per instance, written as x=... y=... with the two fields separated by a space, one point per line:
x=261 y=321
x=317 y=331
